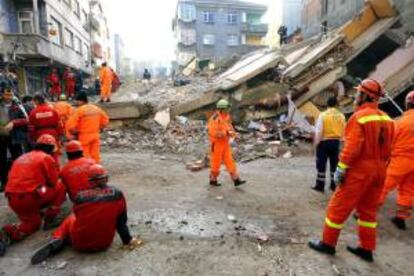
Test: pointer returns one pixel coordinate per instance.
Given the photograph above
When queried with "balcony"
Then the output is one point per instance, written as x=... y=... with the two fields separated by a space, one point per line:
x=38 y=48
x=254 y=28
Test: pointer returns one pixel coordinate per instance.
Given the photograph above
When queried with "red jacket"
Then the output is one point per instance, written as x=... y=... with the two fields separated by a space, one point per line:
x=368 y=136
x=32 y=170
x=74 y=176
x=99 y=213
x=69 y=76
x=44 y=119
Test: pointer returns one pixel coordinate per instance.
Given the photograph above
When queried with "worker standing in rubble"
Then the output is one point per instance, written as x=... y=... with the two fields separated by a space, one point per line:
x=86 y=123
x=221 y=131
x=360 y=173
x=106 y=78
x=328 y=135
x=54 y=83
x=400 y=171
x=97 y=213
x=64 y=110
x=74 y=174
x=33 y=185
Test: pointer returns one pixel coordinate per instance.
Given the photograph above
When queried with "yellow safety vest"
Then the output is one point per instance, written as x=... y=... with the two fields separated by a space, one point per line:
x=333 y=124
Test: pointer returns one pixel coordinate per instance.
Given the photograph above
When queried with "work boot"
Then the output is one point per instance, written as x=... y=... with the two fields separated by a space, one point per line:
x=333 y=187
x=101 y=100
x=214 y=183
x=318 y=188
x=399 y=223
x=4 y=242
x=238 y=182
x=108 y=100
x=321 y=247
x=364 y=254
x=48 y=250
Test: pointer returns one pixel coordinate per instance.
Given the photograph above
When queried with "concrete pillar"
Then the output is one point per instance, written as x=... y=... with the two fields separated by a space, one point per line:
x=36 y=16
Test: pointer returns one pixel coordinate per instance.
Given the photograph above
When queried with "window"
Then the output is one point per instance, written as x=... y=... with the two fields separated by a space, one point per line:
x=69 y=41
x=86 y=52
x=232 y=40
x=188 y=36
x=57 y=36
x=76 y=8
x=78 y=45
x=208 y=39
x=208 y=17
x=231 y=18
x=187 y=12
x=26 y=22
x=68 y=2
x=84 y=19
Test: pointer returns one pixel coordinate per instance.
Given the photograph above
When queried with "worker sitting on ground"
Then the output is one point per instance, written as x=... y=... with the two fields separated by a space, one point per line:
x=33 y=185
x=97 y=213
x=220 y=131
x=328 y=135
x=400 y=171
x=360 y=173
x=74 y=174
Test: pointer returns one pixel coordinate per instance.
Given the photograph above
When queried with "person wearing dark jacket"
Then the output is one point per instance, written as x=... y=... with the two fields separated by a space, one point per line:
x=13 y=132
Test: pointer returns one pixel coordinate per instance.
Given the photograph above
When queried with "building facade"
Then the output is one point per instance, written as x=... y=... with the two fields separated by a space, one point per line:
x=118 y=53
x=217 y=29
x=100 y=36
x=36 y=35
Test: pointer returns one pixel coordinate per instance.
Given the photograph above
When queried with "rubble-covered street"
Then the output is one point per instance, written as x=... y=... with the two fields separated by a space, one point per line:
x=191 y=229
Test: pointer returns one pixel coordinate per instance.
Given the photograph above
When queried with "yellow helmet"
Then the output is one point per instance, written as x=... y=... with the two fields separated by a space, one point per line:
x=223 y=104
x=63 y=97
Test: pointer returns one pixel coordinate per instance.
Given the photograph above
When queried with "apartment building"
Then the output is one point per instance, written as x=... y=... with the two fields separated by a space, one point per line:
x=217 y=29
x=38 y=34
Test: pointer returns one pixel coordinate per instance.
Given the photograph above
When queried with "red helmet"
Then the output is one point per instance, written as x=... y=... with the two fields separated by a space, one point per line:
x=47 y=139
x=97 y=174
x=372 y=88
x=409 y=99
x=73 y=146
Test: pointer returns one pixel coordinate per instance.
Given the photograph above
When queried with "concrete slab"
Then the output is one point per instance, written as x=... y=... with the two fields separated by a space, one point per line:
x=124 y=110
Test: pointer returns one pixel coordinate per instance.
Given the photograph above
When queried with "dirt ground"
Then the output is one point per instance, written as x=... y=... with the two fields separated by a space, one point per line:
x=186 y=229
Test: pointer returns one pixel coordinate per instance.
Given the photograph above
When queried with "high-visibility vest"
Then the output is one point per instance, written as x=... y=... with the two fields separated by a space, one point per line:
x=333 y=124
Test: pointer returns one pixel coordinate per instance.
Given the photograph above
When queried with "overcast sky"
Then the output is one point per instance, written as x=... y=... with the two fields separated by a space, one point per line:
x=145 y=26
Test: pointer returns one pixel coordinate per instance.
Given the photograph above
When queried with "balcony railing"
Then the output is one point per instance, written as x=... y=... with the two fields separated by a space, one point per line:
x=38 y=46
x=254 y=28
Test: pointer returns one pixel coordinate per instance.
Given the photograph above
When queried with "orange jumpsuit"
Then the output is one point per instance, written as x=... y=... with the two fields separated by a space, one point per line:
x=105 y=77
x=400 y=171
x=86 y=122
x=220 y=130
x=65 y=110
x=368 y=138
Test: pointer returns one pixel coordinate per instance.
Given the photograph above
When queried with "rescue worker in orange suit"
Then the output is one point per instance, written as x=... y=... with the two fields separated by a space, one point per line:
x=44 y=119
x=64 y=110
x=106 y=78
x=221 y=131
x=54 y=83
x=70 y=82
x=400 y=171
x=360 y=173
x=328 y=135
x=33 y=186
x=98 y=213
x=86 y=123
x=74 y=174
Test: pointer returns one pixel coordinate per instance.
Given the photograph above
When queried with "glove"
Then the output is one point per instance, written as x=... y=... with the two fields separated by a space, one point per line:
x=339 y=175
x=133 y=244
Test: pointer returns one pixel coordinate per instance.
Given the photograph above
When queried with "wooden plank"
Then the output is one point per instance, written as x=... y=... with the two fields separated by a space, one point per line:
x=382 y=8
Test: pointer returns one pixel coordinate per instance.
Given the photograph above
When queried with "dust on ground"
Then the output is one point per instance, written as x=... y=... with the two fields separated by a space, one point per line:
x=189 y=228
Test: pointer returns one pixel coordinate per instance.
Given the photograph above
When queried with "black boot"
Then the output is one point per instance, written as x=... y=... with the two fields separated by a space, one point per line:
x=399 y=223
x=322 y=247
x=238 y=182
x=214 y=183
x=4 y=243
x=50 y=223
x=333 y=186
x=319 y=188
x=48 y=250
x=364 y=254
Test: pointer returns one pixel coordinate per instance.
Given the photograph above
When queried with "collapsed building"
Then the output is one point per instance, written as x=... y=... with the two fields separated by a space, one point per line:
x=260 y=84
